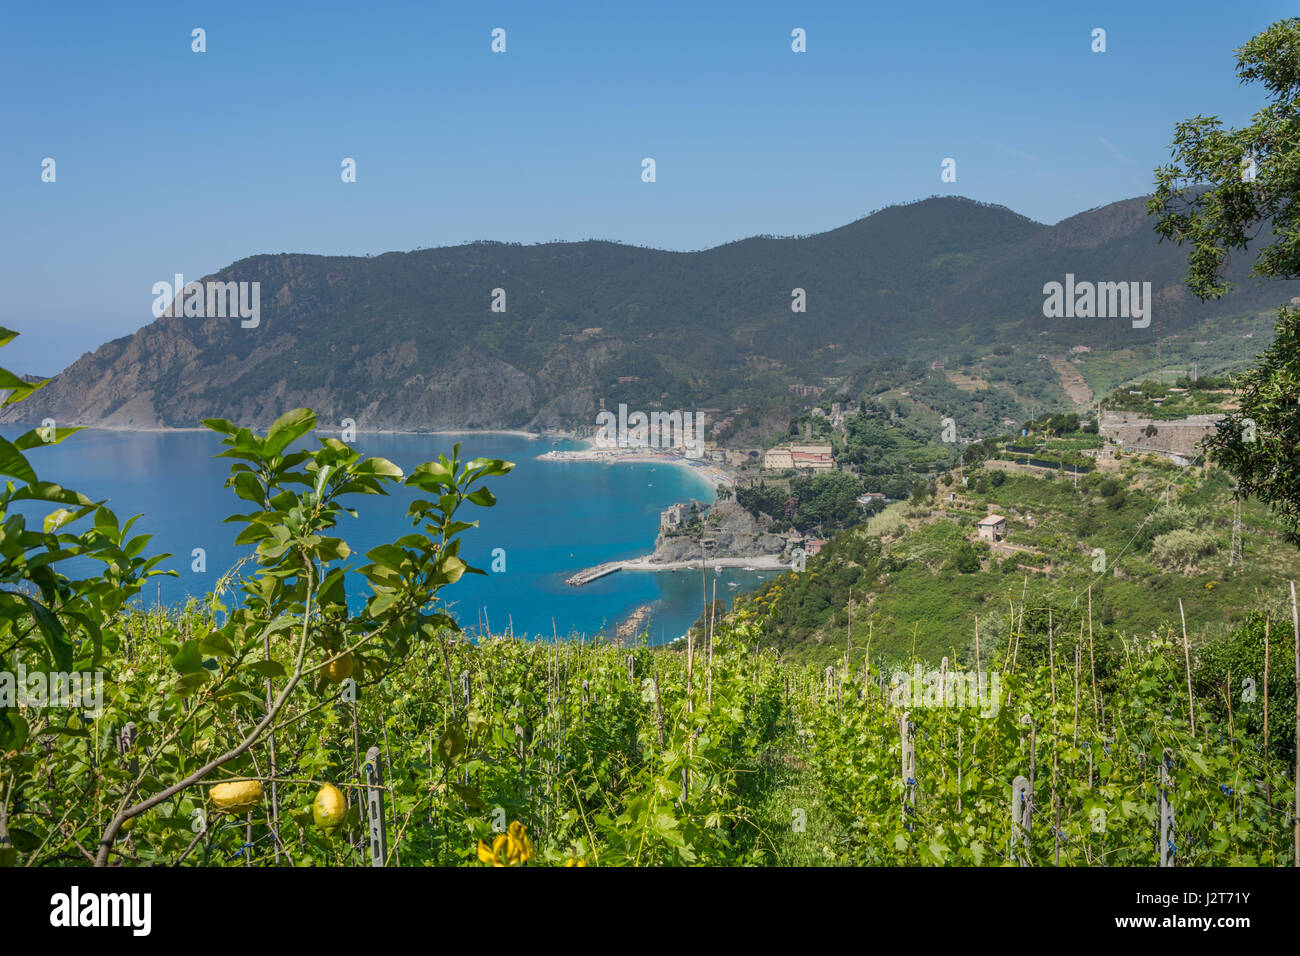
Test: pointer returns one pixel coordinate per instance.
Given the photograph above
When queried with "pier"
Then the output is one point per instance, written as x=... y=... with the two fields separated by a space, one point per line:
x=757 y=562
x=587 y=575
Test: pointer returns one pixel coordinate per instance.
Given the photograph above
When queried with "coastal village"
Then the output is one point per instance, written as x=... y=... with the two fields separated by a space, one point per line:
x=695 y=535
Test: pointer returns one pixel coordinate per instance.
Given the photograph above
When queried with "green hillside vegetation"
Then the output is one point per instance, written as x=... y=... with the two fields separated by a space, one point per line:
x=916 y=591
x=1207 y=395
x=1223 y=344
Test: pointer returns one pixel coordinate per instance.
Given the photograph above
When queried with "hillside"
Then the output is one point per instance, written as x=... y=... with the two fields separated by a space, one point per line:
x=408 y=340
x=919 y=575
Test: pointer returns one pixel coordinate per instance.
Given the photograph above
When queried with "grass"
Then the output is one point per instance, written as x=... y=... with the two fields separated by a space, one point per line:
x=913 y=600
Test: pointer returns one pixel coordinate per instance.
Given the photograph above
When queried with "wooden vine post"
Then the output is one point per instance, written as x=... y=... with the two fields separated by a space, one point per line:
x=659 y=710
x=1295 y=817
x=909 y=768
x=1187 y=659
x=690 y=711
x=1092 y=661
x=1268 y=780
x=1167 y=848
x=1022 y=817
x=375 y=808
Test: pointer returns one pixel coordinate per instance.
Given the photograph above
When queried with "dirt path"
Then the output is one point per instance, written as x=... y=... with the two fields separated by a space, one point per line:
x=1071 y=381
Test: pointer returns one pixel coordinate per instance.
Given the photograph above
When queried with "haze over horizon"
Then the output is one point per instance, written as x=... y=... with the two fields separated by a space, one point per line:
x=174 y=161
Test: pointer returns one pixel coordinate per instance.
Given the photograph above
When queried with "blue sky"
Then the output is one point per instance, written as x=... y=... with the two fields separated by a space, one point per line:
x=173 y=161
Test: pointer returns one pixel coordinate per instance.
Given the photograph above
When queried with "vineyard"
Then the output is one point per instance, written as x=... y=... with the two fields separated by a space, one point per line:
x=713 y=755
x=279 y=723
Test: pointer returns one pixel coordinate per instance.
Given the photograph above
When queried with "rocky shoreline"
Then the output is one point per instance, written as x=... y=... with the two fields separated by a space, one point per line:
x=631 y=626
x=691 y=534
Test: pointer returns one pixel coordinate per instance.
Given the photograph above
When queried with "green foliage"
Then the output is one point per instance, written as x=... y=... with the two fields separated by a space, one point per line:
x=1094 y=771
x=218 y=683
x=967 y=559
x=1259 y=443
x=1227 y=216
x=49 y=621
x=1180 y=549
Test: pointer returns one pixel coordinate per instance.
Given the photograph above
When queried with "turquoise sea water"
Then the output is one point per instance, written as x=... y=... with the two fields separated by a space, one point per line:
x=552 y=518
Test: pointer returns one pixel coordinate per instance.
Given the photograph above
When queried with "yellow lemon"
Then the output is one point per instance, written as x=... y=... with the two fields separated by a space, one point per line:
x=328 y=809
x=238 y=796
x=339 y=670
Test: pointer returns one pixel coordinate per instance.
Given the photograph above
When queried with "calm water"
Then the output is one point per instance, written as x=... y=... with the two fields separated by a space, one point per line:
x=552 y=518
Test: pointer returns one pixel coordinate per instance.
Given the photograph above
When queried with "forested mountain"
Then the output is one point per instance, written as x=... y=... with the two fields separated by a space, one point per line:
x=409 y=340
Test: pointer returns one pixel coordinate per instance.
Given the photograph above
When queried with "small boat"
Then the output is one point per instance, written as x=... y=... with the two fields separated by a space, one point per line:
x=733 y=584
x=748 y=569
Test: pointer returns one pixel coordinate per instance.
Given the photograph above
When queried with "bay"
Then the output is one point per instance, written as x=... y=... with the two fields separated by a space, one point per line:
x=551 y=519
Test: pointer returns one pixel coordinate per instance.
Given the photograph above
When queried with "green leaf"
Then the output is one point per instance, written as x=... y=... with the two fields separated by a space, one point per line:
x=481 y=497
x=388 y=556
x=470 y=796
x=248 y=487
x=14 y=464
x=333 y=549
x=476 y=721
x=451 y=745
x=379 y=467
x=1197 y=761
x=188 y=659
x=49 y=491
x=266 y=668
x=220 y=425
x=431 y=473
x=43 y=436
x=216 y=643
x=13 y=729
x=287 y=429
x=489 y=467
x=20 y=393
x=453 y=567
x=55 y=636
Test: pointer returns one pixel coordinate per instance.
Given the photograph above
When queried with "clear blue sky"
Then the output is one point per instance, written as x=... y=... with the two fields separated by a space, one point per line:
x=171 y=161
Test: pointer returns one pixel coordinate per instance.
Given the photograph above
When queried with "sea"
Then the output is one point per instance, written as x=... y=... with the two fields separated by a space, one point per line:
x=552 y=518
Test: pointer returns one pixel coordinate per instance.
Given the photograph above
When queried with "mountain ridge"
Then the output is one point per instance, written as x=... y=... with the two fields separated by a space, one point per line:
x=407 y=340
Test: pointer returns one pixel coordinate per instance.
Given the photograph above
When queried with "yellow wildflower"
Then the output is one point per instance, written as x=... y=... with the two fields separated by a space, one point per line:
x=512 y=848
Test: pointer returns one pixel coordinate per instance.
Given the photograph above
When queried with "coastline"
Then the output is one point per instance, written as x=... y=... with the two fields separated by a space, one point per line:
x=146 y=429
x=708 y=472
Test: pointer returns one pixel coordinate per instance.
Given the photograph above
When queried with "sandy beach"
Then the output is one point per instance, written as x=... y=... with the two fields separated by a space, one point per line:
x=711 y=472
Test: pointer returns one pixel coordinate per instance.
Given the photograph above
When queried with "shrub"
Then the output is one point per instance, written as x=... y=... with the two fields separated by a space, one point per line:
x=1182 y=548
